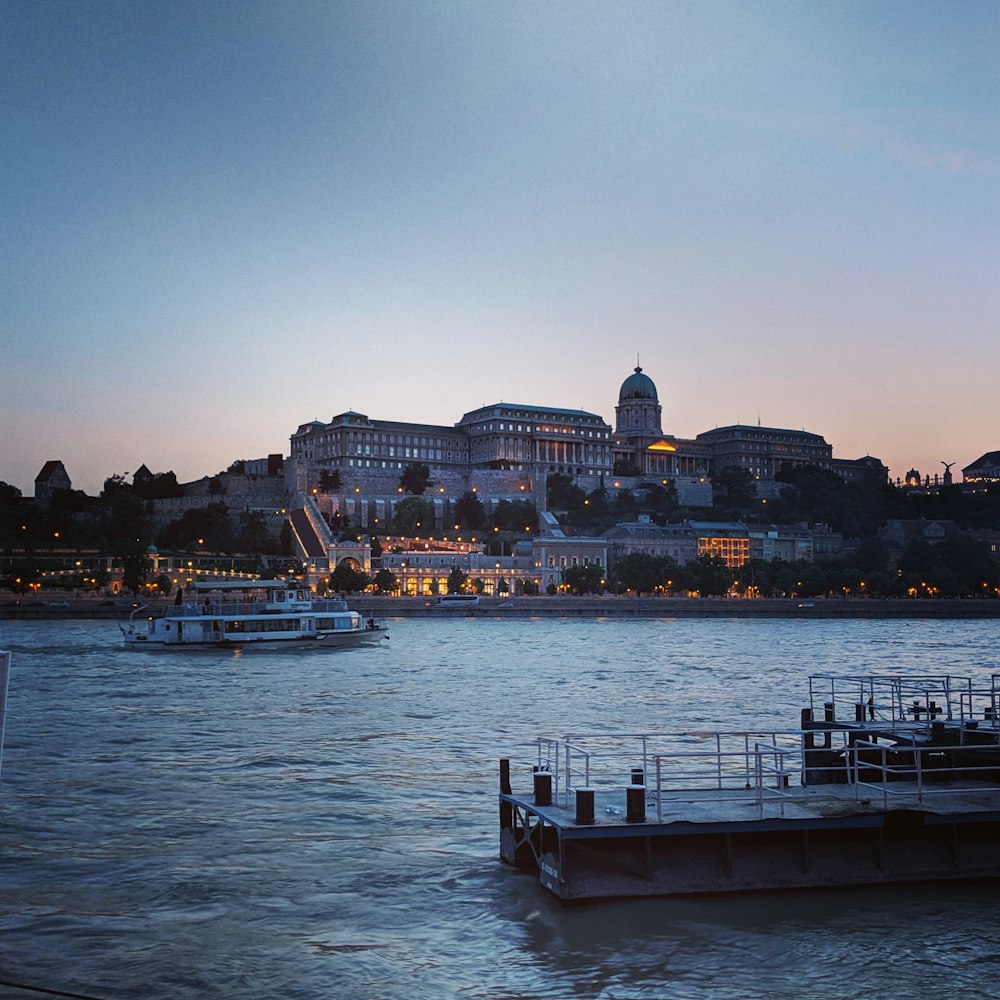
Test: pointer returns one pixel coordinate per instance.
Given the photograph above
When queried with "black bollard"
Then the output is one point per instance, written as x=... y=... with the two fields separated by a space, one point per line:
x=505 y=775
x=635 y=803
x=585 y=805
x=828 y=711
x=543 y=788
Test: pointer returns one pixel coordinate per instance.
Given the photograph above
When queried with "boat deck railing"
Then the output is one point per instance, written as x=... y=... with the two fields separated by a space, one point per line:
x=680 y=767
x=318 y=605
x=898 y=700
x=921 y=773
x=764 y=769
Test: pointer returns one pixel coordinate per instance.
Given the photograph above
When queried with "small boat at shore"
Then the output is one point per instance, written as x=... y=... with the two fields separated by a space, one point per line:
x=258 y=614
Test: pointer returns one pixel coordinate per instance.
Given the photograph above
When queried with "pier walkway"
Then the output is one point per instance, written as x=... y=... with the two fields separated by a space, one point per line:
x=906 y=787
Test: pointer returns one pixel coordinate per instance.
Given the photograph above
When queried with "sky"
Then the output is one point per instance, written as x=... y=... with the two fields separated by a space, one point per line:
x=222 y=220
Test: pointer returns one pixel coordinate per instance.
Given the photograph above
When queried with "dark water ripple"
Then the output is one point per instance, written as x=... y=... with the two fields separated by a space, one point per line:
x=296 y=826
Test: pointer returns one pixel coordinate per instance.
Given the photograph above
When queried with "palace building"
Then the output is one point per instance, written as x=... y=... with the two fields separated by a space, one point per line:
x=537 y=440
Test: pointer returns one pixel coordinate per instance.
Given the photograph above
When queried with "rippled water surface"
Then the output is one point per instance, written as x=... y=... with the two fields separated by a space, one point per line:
x=325 y=825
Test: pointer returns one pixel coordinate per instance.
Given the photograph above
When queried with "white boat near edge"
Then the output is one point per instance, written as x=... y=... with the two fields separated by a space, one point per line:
x=258 y=614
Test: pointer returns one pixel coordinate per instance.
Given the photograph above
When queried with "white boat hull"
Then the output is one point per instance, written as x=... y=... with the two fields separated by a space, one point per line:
x=341 y=640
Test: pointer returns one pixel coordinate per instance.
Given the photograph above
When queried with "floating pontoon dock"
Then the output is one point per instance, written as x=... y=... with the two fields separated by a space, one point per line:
x=887 y=779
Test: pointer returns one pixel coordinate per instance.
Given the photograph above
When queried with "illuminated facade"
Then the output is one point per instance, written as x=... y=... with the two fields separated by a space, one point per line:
x=984 y=470
x=730 y=540
x=425 y=574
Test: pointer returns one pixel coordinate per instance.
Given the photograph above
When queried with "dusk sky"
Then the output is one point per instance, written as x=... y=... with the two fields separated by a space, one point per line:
x=222 y=220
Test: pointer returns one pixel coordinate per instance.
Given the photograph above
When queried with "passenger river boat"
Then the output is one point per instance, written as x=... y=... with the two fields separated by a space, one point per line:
x=258 y=614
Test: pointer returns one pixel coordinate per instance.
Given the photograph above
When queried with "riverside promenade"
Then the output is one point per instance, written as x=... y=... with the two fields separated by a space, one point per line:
x=56 y=607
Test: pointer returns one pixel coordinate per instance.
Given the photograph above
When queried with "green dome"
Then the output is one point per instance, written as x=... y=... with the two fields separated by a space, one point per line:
x=637 y=386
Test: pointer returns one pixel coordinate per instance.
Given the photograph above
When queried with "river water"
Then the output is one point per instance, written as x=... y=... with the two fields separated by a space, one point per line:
x=325 y=825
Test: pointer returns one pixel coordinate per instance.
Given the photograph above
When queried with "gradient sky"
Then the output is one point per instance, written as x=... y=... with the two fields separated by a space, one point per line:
x=221 y=220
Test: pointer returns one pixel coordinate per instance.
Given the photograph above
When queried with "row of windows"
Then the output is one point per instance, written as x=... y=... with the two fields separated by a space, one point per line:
x=540 y=429
x=385 y=440
x=375 y=463
x=573 y=561
x=337 y=439
x=389 y=451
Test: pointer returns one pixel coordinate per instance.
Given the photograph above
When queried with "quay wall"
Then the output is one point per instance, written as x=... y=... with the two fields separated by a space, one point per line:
x=681 y=607
x=559 y=607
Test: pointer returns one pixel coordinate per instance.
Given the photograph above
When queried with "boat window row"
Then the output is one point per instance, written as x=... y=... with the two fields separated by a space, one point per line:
x=344 y=622
x=262 y=625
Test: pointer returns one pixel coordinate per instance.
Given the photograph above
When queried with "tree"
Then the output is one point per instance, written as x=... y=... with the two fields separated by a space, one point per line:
x=253 y=534
x=113 y=485
x=872 y=555
x=585 y=579
x=65 y=503
x=970 y=563
x=200 y=529
x=736 y=485
x=135 y=565
x=642 y=572
x=415 y=478
x=624 y=504
x=785 y=581
x=457 y=580
x=562 y=493
x=711 y=576
x=13 y=515
x=469 y=511
x=124 y=521
x=813 y=581
x=514 y=515
x=10 y=497
x=160 y=486
x=385 y=582
x=661 y=501
x=412 y=516
x=346 y=579
x=330 y=480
